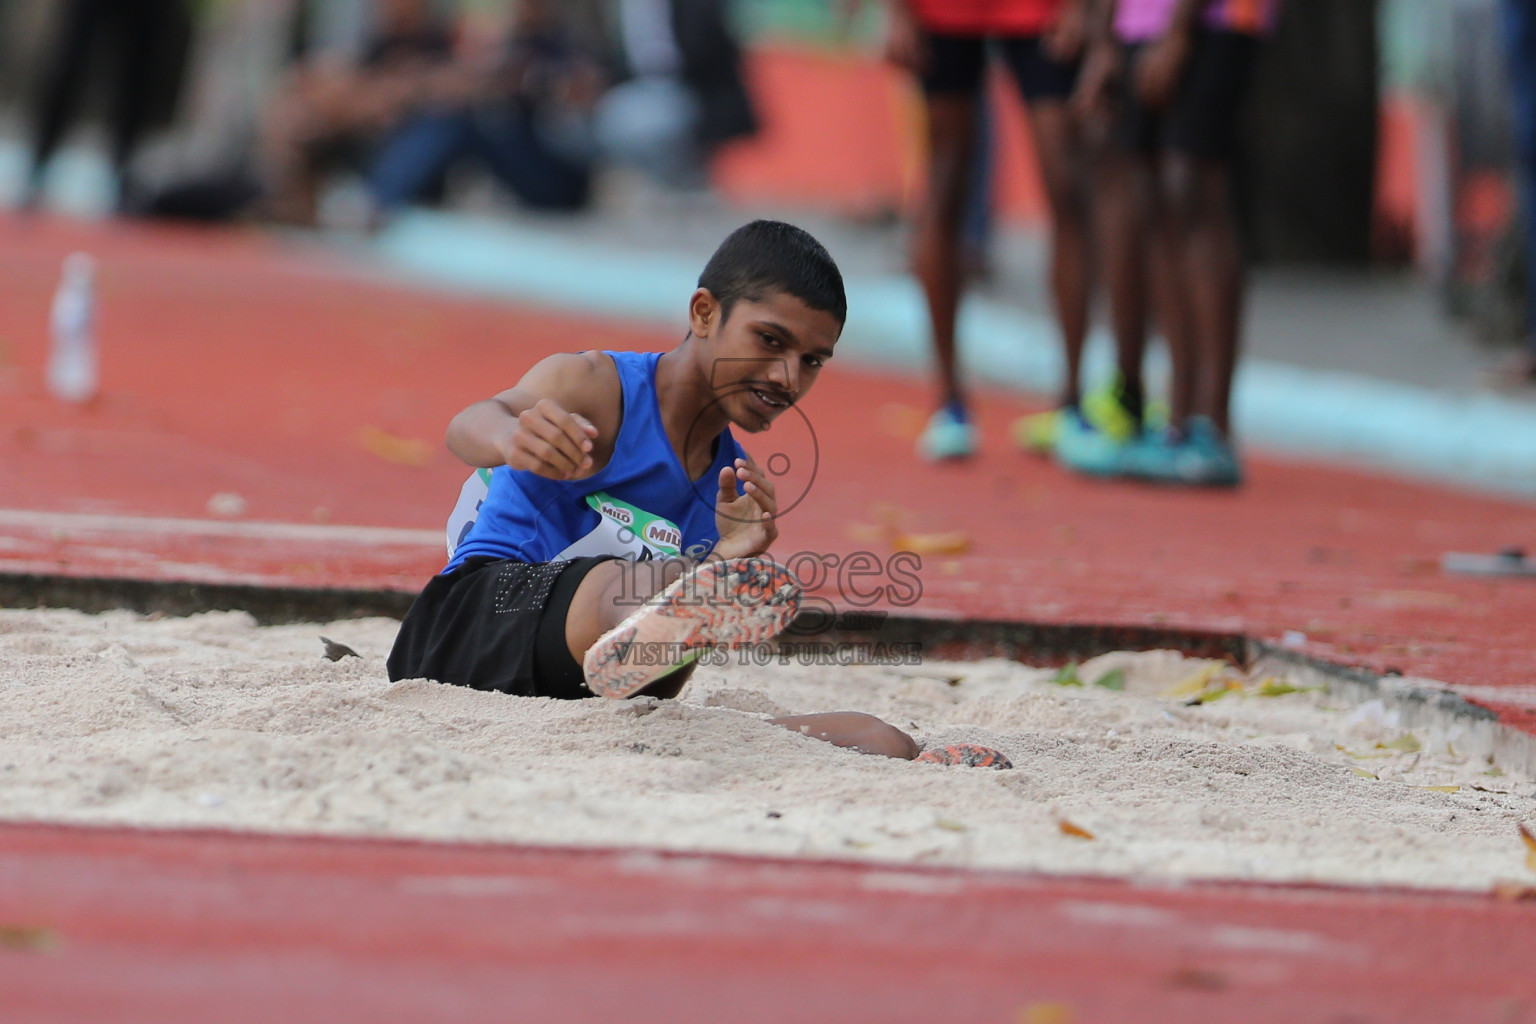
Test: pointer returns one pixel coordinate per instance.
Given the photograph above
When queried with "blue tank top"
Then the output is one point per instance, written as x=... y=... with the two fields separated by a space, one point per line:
x=640 y=505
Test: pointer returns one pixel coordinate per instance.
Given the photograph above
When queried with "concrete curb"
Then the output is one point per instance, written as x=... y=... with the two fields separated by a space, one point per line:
x=1424 y=705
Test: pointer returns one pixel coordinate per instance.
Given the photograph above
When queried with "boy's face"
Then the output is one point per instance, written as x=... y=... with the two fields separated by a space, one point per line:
x=765 y=356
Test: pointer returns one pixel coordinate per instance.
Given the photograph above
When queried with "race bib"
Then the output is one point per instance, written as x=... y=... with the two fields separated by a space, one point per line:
x=627 y=531
x=467 y=509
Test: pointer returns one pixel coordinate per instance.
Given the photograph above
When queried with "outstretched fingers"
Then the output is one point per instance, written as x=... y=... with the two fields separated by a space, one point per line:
x=757 y=486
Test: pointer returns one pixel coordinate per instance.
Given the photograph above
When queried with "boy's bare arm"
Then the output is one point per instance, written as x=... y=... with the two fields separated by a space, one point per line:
x=558 y=421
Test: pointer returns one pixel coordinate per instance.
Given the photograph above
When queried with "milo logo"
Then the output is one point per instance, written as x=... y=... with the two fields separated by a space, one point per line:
x=663 y=534
x=628 y=531
x=622 y=516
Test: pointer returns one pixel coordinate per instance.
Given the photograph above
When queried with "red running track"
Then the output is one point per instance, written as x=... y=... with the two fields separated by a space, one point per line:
x=168 y=927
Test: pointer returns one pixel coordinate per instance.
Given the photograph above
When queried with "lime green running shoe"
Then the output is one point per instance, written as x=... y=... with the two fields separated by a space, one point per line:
x=1103 y=409
x=1036 y=433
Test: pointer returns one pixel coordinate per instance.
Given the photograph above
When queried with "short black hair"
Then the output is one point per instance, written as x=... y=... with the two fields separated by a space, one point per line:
x=767 y=256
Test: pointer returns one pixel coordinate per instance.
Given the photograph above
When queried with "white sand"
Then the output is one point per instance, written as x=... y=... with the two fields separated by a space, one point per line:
x=212 y=721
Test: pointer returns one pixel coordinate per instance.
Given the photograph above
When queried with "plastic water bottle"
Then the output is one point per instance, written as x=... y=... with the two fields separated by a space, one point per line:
x=72 y=369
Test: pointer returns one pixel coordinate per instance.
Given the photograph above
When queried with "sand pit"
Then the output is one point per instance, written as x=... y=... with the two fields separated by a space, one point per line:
x=213 y=721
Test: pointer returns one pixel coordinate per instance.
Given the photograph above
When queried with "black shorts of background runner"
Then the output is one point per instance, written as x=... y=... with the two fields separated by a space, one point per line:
x=494 y=624
x=1202 y=120
x=956 y=65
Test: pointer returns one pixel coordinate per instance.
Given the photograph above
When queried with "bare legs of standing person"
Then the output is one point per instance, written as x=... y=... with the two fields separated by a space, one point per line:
x=936 y=257
x=1202 y=253
x=1059 y=149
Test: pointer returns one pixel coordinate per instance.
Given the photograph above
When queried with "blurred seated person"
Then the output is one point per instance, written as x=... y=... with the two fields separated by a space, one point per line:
x=333 y=114
x=684 y=95
x=524 y=112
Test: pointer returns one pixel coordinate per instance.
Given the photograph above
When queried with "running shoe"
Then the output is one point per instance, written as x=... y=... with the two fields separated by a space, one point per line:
x=1103 y=408
x=733 y=603
x=949 y=435
x=1200 y=456
x=1036 y=433
x=1082 y=447
x=971 y=755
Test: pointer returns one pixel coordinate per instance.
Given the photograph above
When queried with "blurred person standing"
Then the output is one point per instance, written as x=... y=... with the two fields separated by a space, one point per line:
x=1520 y=39
x=683 y=94
x=145 y=42
x=1174 y=73
x=945 y=44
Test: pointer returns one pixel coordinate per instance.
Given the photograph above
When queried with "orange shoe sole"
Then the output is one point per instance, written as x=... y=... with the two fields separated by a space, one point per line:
x=734 y=603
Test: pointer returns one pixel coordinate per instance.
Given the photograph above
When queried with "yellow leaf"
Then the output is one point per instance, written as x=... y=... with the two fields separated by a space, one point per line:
x=28 y=938
x=403 y=451
x=1407 y=743
x=949 y=825
x=1046 y=1013
x=1362 y=773
x=1514 y=892
x=955 y=542
x=1272 y=687
x=1076 y=831
x=1442 y=789
x=1359 y=755
x=1219 y=689
x=1195 y=683
x=1530 y=847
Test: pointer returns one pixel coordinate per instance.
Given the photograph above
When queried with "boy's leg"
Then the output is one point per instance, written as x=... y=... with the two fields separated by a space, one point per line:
x=609 y=594
x=854 y=730
x=630 y=624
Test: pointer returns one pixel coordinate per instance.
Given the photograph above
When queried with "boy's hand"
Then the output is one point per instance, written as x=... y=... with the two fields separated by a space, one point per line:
x=745 y=521
x=551 y=442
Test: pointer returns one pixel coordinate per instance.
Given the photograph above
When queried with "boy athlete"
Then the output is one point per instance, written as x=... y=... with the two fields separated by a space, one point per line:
x=945 y=44
x=625 y=531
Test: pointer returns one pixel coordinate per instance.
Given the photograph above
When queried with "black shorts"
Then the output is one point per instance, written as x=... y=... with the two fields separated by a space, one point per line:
x=495 y=625
x=957 y=63
x=1202 y=120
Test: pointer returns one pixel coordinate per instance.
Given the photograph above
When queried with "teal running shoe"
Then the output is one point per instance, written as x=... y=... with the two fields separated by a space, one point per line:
x=949 y=435
x=1201 y=457
x=1082 y=447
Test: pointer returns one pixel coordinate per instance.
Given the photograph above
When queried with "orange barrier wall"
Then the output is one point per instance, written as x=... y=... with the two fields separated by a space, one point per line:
x=843 y=132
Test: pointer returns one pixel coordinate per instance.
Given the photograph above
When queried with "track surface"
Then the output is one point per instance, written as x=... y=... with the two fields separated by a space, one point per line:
x=131 y=926
x=235 y=365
